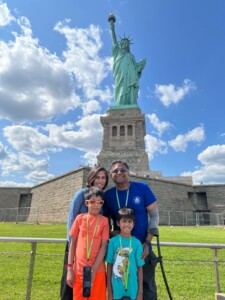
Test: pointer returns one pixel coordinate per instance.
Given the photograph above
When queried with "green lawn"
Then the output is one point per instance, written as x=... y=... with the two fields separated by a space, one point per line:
x=190 y=272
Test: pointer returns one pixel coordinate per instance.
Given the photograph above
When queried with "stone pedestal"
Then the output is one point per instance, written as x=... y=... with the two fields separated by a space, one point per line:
x=123 y=139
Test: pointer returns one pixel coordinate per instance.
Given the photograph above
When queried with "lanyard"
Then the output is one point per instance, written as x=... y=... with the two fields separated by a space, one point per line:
x=118 y=200
x=90 y=247
x=125 y=267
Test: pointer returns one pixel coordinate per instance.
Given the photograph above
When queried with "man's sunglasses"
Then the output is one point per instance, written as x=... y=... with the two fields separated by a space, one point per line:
x=116 y=171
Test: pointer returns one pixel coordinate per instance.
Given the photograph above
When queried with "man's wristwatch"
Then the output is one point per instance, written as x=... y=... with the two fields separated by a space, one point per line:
x=148 y=243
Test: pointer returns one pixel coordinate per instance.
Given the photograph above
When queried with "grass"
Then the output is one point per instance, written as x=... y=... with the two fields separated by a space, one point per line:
x=190 y=271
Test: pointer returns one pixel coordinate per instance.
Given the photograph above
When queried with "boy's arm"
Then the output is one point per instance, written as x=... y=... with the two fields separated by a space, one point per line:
x=99 y=258
x=140 y=284
x=109 y=283
x=70 y=279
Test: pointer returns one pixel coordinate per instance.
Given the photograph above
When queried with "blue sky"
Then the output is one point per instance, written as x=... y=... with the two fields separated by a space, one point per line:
x=56 y=81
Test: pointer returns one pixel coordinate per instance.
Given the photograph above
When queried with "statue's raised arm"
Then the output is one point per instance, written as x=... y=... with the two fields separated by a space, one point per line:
x=126 y=71
x=112 y=20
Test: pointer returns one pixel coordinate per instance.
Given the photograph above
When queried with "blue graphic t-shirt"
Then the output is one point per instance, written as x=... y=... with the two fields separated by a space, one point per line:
x=121 y=255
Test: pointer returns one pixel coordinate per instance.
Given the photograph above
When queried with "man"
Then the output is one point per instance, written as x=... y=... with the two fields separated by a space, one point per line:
x=139 y=197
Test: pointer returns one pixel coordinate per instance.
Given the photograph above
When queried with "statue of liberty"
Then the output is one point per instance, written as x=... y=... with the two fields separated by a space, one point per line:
x=126 y=70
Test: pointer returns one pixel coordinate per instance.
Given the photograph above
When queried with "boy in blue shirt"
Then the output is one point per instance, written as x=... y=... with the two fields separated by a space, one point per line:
x=124 y=262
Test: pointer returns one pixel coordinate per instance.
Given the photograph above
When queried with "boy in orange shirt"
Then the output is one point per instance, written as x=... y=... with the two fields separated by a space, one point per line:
x=90 y=234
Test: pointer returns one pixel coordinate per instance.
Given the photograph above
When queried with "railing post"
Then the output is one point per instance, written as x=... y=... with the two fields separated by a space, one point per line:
x=17 y=215
x=37 y=216
x=216 y=265
x=10 y=215
x=31 y=269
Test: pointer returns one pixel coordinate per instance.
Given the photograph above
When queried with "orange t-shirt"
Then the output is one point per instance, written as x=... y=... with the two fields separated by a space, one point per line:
x=79 y=229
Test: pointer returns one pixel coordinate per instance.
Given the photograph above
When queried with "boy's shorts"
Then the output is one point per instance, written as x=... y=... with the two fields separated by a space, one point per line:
x=98 y=288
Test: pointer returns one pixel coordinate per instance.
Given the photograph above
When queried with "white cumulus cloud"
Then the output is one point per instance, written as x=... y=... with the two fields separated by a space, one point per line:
x=212 y=169
x=5 y=15
x=11 y=183
x=169 y=94
x=39 y=176
x=22 y=163
x=154 y=145
x=28 y=139
x=213 y=154
x=180 y=143
x=3 y=152
x=83 y=59
x=90 y=107
x=160 y=126
x=37 y=84
x=84 y=135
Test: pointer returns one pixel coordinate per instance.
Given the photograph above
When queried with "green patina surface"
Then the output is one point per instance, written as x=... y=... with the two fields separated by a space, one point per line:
x=126 y=70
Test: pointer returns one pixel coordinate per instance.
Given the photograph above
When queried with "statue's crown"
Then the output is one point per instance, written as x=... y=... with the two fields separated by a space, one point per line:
x=126 y=38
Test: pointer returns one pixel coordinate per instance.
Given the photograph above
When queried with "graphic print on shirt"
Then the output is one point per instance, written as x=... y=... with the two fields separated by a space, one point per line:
x=137 y=200
x=121 y=265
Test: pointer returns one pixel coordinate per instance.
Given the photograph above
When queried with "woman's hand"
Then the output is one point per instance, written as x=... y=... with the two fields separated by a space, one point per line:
x=139 y=296
x=93 y=272
x=70 y=278
x=110 y=296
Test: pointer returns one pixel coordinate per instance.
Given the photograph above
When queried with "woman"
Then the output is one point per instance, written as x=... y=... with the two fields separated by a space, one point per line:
x=98 y=177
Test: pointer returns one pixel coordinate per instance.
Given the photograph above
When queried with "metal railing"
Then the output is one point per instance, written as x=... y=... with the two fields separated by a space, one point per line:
x=167 y=217
x=215 y=260
x=34 y=241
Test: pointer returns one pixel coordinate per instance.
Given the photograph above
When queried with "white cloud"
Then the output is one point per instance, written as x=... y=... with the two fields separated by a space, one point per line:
x=28 y=139
x=154 y=145
x=210 y=174
x=10 y=183
x=3 y=152
x=213 y=166
x=36 y=84
x=161 y=126
x=180 y=143
x=213 y=155
x=83 y=60
x=39 y=176
x=169 y=94
x=5 y=15
x=22 y=165
x=85 y=135
x=90 y=158
x=90 y=106
x=19 y=163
